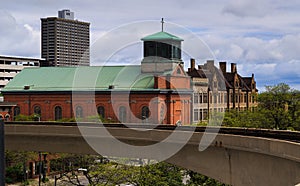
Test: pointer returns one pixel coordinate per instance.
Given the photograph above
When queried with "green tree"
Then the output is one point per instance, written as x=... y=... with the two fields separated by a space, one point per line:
x=278 y=108
x=110 y=174
x=14 y=173
x=197 y=179
x=115 y=174
x=275 y=102
x=16 y=165
x=250 y=119
x=158 y=174
x=294 y=109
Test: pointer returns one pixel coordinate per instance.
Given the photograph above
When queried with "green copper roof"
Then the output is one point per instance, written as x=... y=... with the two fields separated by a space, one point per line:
x=97 y=78
x=161 y=36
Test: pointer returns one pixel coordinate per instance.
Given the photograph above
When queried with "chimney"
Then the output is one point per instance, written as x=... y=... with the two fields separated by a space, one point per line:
x=233 y=68
x=192 y=64
x=210 y=64
x=223 y=67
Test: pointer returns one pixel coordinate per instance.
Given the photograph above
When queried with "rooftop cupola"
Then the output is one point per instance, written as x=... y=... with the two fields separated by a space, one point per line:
x=161 y=47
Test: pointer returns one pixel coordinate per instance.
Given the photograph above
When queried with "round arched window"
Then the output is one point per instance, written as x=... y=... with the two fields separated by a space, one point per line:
x=17 y=111
x=7 y=116
x=145 y=113
x=101 y=111
x=79 y=112
x=37 y=110
x=122 y=114
x=57 y=113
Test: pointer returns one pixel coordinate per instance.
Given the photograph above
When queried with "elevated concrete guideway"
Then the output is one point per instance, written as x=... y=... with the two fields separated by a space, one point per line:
x=232 y=159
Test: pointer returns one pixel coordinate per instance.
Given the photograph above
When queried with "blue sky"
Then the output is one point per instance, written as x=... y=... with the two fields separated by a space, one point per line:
x=261 y=36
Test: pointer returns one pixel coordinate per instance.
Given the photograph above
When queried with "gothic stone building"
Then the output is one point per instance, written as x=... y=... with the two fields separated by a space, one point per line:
x=215 y=89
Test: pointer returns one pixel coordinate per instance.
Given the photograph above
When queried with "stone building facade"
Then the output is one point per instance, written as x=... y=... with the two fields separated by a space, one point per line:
x=216 y=90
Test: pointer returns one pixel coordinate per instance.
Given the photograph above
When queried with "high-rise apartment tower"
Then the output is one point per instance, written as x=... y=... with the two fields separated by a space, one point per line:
x=65 y=41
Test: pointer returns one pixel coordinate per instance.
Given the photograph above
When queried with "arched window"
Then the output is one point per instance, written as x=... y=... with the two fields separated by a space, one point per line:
x=79 y=112
x=162 y=113
x=37 y=110
x=7 y=116
x=122 y=114
x=145 y=113
x=101 y=111
x=17 y=111
x=57 y=113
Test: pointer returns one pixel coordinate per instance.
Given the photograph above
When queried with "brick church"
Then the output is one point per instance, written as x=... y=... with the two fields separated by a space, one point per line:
x=157 y=91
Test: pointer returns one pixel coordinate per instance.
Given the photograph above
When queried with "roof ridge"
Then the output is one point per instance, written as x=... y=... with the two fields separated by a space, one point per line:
x=161 y=36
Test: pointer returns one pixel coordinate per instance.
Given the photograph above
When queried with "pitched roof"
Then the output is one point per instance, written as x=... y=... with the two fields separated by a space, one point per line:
x=197 y=73
x=161 y=36
x=247 y=80
x=80 y=78
x=229 y=79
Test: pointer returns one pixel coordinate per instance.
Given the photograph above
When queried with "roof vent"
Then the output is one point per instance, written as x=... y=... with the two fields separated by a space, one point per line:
x=26 y=87
x=111 y=87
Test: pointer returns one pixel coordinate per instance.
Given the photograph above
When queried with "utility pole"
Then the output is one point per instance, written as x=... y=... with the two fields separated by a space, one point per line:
x=2 y=153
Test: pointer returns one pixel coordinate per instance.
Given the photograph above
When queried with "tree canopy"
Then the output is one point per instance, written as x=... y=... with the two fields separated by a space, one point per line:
x=278 y=108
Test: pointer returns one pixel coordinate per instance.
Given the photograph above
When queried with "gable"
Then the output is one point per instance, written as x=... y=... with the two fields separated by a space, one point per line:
x=179 y=71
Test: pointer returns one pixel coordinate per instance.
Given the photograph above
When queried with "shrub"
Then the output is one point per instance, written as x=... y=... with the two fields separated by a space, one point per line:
x=14 y=173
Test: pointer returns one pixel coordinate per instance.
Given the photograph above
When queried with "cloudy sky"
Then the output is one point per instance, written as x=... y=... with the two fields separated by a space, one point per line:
x=261 y=36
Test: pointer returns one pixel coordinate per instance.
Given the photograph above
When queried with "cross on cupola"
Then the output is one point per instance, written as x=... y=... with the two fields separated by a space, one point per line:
x=162 y=24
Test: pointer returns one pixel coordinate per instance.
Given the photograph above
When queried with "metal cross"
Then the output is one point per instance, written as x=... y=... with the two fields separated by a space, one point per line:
x=162 y=24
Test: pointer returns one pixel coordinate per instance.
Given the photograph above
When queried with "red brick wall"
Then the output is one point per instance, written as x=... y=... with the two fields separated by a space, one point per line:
x=175 y=110
x=172 y=82
x=179 y=82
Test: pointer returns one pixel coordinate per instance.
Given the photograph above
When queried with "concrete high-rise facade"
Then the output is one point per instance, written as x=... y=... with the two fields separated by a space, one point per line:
x=65 y=41
x=10 y=66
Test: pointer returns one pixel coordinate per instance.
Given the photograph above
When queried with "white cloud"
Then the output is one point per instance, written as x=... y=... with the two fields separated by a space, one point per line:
x=8 y=22
x=261 y=36
x=18 y=40
x=245 y=8
x=252 y=49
